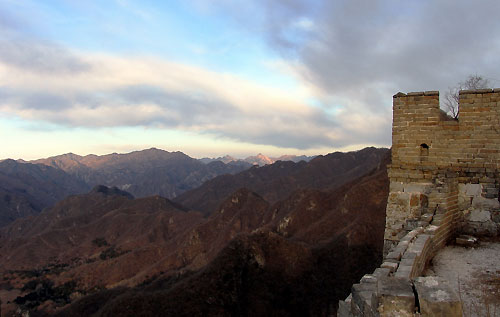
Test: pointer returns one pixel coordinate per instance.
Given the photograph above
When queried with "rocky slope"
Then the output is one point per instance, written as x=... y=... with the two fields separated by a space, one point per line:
x=305 y=257
x=261 y=274
x=297 y=255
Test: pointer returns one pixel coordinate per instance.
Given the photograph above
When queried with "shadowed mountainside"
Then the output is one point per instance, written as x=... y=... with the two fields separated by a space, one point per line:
x=26 y=189
x=299 y=254
x=262 y=274
x=277 y=181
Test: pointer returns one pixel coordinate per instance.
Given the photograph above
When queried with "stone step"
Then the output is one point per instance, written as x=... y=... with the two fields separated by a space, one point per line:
x=437 y=298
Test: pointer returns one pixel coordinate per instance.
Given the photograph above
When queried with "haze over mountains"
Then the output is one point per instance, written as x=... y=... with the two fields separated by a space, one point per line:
x=220 y=257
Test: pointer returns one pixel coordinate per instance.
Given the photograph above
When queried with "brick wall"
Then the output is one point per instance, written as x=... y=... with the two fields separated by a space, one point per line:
x=430 y=149
x=470 y=143
x=444 y=178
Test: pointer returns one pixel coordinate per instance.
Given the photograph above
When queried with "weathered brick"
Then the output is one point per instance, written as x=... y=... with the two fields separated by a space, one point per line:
x=443 y=153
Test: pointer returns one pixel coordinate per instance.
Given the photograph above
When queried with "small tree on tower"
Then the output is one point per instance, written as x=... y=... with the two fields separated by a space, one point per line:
x=451 y=97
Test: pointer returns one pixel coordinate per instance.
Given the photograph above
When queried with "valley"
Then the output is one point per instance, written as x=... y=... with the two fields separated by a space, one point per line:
x=98 y=249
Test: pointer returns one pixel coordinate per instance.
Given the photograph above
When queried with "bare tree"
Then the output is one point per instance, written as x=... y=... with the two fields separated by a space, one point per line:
x=451 y=96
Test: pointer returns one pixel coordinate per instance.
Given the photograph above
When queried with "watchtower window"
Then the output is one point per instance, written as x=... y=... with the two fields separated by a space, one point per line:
x=424 y=149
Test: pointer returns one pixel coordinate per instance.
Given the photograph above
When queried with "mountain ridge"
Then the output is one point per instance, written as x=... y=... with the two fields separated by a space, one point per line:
x=276 y=181
x=142 y=173
x=259 y=159
x=106 y=239
x=25 y=191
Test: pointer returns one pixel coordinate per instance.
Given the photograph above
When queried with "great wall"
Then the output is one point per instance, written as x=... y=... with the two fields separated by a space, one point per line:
x=444 y=181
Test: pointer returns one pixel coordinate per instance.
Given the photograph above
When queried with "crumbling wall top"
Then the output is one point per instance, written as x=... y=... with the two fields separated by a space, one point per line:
x=478 y=91
x=417 y=93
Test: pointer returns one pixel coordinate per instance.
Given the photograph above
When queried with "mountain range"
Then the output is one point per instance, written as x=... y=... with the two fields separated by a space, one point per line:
x=276 y=181
x=259 y=159
x=289 y=238
x=143 y=173
x=26 y=188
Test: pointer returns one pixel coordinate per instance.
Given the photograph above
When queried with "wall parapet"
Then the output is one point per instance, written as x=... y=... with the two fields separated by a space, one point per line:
x=397 y=285
x=417 y=93
x=436 y=92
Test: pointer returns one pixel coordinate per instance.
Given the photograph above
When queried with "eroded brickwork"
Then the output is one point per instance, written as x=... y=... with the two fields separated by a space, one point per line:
x=443 y=168
x=445 y=177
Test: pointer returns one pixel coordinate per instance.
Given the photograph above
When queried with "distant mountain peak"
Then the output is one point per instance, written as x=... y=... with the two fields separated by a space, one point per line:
x=224 y=159
x=9 y=161
x=69 y=155
x=260 y=159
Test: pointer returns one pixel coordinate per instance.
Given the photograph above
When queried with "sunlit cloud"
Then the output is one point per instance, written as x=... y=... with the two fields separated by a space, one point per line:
x=119 y=91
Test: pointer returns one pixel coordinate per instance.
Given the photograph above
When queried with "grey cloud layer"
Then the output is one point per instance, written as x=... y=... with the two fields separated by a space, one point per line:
x=408 y=44
x=39 y=56
x=362 y=52
x=174 y=109
x=425 y=47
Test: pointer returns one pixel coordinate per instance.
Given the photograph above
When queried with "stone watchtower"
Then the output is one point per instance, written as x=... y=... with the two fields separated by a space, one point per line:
x=444 y=171
x=444 y=178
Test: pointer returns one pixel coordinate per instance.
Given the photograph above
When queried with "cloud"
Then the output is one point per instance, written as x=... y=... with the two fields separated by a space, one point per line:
x=348 y=58
x=304 y=24
x=21 y=50
x=39 y=56
x=428 y=46
x=357 y=54
x=125 y=91
x=405 y=45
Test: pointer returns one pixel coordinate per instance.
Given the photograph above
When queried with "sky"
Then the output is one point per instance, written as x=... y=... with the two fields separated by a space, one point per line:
x=217 y=77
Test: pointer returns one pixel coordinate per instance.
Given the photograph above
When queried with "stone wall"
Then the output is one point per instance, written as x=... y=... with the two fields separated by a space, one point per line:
x=396 y=288
x=444 y=167
x=444 y=178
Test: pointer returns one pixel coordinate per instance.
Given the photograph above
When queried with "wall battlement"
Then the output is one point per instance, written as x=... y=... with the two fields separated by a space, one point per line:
x=470 y=142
